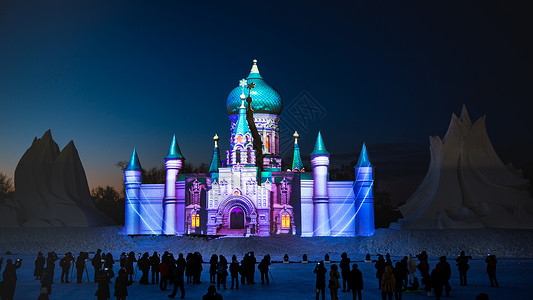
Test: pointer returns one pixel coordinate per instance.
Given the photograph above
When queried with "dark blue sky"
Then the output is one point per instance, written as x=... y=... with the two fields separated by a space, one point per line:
x=112 y=75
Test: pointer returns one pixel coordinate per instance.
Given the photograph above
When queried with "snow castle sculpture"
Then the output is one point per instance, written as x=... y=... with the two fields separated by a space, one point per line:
x=467 y=185
x=248 y=194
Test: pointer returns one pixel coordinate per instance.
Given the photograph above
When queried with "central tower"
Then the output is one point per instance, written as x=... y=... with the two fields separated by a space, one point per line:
x=266 y=106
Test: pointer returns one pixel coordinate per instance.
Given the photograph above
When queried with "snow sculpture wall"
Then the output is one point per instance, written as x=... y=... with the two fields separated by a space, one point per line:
x=467 y=185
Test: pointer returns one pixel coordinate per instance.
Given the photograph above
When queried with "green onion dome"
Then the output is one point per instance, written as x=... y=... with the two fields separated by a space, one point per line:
x=265 y=99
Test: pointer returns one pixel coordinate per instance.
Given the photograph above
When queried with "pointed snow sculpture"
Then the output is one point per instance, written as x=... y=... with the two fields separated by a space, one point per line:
x=297 y=164
x=52 y=188
x=467 y=185
x=364 y=196
x=133 y=180
x=172 y=218
x=320 y=162
x=215 y=161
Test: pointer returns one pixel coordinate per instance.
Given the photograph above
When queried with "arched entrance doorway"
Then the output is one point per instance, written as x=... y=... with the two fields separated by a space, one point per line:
x=236 y=218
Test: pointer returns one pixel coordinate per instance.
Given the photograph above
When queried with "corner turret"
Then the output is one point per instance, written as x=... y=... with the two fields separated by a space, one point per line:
x=132 y=181
x=320 y=162
x=364 y=196
x=173 y=163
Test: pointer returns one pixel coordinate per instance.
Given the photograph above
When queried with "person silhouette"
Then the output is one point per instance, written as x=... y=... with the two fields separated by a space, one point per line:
x=356 y=282
x=212 y=294
x=320 y=285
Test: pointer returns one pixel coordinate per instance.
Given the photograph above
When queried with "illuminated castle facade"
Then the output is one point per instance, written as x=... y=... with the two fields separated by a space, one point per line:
x=242 y=196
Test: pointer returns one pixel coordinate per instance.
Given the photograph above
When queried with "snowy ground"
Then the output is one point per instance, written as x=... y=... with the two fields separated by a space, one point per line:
x=501 y=242
x=514 y=248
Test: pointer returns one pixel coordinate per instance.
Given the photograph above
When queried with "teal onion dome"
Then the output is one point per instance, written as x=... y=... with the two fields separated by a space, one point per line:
x=265 y=99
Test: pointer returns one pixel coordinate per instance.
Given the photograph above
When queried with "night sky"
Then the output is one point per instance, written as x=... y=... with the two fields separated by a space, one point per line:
x=113 y=75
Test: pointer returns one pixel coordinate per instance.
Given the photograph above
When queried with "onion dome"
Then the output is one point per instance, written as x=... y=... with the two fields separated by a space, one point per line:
x=265 y=98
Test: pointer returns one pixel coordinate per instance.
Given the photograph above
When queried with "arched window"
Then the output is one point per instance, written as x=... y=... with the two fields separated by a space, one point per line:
x=239 y=138
x=249 y=156
x=267 y=148
x=285 y=221
x=195 y=220
x=237 y=156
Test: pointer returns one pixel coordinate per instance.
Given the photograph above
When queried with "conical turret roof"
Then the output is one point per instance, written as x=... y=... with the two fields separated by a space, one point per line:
x=215 y=161
x=174 y=152
x=242 y=125
x=134 y=164
x=320 y=148
x=297 y=163
x=363 y=161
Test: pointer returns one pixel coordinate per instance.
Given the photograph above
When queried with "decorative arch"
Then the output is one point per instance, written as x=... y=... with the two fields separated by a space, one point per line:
x=236 y=200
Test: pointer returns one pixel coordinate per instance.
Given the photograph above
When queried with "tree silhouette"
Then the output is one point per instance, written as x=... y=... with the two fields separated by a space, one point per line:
x=7 y=190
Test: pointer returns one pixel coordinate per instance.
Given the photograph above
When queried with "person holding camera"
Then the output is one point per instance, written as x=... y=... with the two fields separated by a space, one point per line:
x=108 y=263
x=144 y=266
x=491 y=269
x=64 y=263
x=462 y=266
x=10 y=278
x=320 y=285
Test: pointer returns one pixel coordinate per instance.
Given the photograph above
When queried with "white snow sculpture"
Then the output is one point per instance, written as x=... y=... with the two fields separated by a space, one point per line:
x=467 y=185
x=51 y=187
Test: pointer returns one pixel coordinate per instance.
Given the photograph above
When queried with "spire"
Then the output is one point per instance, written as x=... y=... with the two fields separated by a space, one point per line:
x=297 y=163
x=465 y=117
x=215 y=161
x=363 y=158
x=254 y=72
x=134 y=164
x=174 y=151
x=320 y=148
x=242 y=125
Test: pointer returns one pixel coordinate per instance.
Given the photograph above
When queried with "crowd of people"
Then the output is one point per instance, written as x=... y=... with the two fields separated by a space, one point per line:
x=394 y=279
